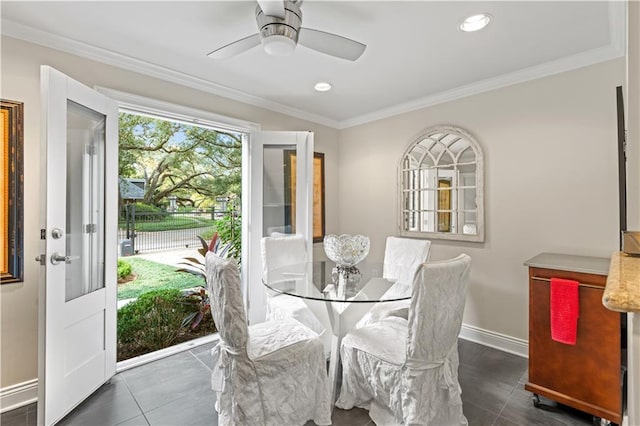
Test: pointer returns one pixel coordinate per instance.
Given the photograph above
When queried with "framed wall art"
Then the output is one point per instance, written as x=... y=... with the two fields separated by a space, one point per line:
x=12 y=183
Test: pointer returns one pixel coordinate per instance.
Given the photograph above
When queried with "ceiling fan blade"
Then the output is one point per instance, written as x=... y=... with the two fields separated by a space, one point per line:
x=331 y=44
x=272 y=8
x=236 y=48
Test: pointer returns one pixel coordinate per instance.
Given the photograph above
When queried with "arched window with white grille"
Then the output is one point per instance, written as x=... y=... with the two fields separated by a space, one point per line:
x=441 y=186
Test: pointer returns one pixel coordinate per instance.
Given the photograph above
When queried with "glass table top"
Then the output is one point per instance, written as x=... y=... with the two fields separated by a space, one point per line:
x=324 y=281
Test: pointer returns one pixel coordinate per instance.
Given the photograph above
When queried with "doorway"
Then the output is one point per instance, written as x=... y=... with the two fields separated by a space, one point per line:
x=77 y=334
x=179 y=185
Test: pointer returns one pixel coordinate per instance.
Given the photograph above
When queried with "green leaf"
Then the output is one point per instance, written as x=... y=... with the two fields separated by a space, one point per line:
x=193 y=260
x=187 y=320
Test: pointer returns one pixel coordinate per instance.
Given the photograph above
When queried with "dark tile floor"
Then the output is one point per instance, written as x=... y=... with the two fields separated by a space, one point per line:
x=175 y=391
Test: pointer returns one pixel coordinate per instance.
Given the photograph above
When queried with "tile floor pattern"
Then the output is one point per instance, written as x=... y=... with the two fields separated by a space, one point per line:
x=175 y=391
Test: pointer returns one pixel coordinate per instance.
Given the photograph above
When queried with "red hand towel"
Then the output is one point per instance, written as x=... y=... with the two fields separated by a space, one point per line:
x=565 y=310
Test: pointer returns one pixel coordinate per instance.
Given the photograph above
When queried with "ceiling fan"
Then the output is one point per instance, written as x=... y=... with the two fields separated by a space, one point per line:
x=279 y=31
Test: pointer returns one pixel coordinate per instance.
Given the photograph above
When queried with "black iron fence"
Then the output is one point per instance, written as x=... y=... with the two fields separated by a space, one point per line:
x=144 y=231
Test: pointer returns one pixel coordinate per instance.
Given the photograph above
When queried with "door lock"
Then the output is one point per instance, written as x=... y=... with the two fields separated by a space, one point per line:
x=57 y=233
x=57 y=258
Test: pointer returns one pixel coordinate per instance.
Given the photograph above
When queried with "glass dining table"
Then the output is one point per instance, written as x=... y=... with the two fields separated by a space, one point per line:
x=346 y=293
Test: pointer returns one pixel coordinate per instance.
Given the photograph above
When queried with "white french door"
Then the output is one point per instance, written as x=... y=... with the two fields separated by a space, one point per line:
x=277 y=197
x=77 y=315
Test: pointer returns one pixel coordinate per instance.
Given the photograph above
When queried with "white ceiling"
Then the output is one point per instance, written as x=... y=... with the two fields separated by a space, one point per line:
x=416 y=55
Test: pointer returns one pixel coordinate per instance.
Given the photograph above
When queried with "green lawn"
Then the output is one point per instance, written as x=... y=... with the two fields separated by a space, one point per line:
x=152 y=275
x=171 y=222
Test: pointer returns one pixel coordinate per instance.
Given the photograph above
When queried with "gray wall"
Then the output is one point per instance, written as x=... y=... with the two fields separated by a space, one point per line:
x=550 y=181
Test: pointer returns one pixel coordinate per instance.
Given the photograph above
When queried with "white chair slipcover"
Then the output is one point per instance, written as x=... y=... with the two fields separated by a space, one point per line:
x=402 y=259
x=278 y=251
x=406 y=371
x=272 y=373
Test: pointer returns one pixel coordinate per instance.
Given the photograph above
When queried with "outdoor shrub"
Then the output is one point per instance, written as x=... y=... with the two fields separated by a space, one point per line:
x=124 y=269
x=146 y=212
x=147 y=208
x=229 y=228
x=152 y=321
x=208 y=234
x=155 y=321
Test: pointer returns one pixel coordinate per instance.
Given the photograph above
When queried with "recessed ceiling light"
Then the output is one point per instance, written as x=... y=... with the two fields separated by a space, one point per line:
x=475 y=22
x=322 y=86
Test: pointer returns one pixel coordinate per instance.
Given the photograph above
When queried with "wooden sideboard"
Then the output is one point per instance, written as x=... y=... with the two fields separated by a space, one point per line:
x=587 y=375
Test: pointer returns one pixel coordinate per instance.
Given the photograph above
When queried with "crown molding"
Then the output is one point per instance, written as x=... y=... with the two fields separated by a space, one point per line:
x=617 y=25
x=533 y=73
x=46 y=39
x=616 y=49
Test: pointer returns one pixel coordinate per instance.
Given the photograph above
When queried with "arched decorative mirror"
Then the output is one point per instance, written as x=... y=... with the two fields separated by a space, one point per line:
x=441 y=186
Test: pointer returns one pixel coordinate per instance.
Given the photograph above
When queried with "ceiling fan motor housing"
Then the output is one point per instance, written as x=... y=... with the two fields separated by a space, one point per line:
x=279 y=31
x=288 y=27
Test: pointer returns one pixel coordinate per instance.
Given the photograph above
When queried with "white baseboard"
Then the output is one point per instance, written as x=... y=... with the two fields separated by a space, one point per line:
x=18 y=395
x=495 y=340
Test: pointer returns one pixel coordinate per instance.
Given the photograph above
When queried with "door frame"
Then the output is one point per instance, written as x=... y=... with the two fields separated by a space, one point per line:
x=254 y=292
x=136 y=104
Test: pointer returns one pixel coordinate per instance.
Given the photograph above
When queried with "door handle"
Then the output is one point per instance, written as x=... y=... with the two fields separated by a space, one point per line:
x=57 y=258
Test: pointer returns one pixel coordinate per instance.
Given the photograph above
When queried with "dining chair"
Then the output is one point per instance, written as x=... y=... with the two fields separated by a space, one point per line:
x=405 y=371
x=280 y=251
x=290 y=251
x=402 y=259
x=271 y=373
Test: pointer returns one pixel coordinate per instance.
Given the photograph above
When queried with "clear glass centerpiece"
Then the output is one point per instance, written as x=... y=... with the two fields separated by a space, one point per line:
x=346 y=251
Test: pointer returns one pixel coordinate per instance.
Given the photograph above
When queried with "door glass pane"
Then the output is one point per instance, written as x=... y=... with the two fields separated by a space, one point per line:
x=85 y=201
x=279 y=189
